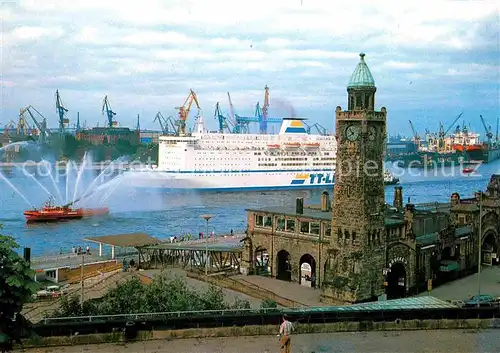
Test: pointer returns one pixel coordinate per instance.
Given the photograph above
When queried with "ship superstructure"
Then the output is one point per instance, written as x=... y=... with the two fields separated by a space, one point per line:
x=293 y=158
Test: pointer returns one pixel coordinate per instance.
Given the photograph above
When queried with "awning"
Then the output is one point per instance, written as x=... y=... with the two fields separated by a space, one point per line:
x=450 y=266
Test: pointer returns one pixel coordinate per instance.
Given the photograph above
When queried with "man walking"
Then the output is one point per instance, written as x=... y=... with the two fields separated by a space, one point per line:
x=286 y=329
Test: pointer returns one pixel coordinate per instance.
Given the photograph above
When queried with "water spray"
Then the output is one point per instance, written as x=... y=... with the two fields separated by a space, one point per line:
x=49 y=169
x=36 y=181
x=15 y=189
x=79 y=176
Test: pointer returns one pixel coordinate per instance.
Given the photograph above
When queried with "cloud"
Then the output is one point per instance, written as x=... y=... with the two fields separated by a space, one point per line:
x=147 y=55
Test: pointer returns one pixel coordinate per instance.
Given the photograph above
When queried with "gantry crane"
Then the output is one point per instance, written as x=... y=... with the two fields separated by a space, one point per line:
x=61 y=111
x=106 y=108
x=165 y=123
x=487 y=128
x=416 y=138
x=184 y=111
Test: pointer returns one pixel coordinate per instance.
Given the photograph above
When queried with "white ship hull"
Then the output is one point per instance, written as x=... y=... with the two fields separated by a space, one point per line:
x=231 y=181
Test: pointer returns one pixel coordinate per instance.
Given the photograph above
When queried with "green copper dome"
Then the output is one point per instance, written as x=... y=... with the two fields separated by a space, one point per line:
x=361 y=77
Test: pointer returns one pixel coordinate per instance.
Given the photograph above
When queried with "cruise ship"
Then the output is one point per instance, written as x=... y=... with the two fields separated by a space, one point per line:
x=291 y=159
x=203 y=160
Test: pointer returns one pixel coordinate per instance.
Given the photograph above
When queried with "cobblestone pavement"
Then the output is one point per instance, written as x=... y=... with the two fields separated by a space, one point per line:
x=443 y=341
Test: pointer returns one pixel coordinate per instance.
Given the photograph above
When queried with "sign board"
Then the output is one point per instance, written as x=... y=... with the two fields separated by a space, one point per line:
x=398 y=259
x=429 y=285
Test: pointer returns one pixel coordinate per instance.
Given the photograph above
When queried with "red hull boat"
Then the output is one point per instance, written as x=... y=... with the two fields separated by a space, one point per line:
x=50 y=213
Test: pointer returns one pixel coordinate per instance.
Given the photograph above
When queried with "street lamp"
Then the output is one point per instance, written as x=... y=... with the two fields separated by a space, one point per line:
x=207 y=218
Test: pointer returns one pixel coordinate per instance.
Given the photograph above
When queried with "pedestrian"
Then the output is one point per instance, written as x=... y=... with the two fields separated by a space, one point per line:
x=212 y=234
x=73 y=250
x=231 y=232
x=286 y=329
x=79 y=250
x=87 y=250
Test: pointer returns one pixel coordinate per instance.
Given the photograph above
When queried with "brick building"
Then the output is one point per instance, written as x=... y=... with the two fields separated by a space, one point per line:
x=357 y=247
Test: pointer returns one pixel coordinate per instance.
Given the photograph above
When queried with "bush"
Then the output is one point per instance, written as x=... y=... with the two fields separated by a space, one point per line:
x=164 y=294
x=269 y=304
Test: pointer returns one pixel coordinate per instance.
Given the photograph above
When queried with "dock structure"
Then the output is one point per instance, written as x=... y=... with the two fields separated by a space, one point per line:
x=216 y=254
x=132 y=240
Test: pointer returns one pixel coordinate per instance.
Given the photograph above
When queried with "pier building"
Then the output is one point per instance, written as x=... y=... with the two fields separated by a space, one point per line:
x=357 y=247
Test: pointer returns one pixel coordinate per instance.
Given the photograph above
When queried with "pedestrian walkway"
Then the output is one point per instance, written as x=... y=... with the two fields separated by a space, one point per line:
x=293 y=291
x=467 y=287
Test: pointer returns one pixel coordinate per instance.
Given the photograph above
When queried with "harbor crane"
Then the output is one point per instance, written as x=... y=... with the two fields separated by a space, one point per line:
x=319 y=128
x=106 y=108
x=23 y=129
x=44 y=133
x=224 y=122
x=61 y=111
x=416 y=138
x=166 y=124
x=265 y=108
x=442 y=133
x=487 y=128
x=184 y=111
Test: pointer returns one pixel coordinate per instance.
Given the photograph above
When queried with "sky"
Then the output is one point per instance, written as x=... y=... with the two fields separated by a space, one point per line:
x=431 y=60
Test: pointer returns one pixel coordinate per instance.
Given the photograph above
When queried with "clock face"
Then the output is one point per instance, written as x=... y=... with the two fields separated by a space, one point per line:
x=372 y=133
x=352 y=132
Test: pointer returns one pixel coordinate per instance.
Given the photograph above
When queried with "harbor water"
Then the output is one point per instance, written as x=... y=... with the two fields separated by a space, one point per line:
x=163 y=214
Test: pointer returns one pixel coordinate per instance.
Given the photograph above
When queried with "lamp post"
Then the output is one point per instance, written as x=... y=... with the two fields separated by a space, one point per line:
x=479 y=246
x=207 y=218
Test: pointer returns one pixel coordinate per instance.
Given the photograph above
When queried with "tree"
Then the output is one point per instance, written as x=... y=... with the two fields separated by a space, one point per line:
x=17 y=281
x=17 y=285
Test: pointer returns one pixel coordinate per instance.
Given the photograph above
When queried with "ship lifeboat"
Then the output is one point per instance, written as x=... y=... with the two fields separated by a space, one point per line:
x=292 y=144
x=273 y=146
x=311 y=145
x=468 y=170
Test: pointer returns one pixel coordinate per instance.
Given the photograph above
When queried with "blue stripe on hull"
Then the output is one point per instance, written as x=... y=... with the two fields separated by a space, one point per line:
x=245 y=188
x=230 y=171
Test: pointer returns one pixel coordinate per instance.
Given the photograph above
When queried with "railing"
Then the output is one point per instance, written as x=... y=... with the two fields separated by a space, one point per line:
x=161 y=315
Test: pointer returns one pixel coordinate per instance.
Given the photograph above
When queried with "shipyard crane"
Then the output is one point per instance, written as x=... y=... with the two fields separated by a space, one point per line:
x=244 y=121
x=44 y=133
x=319 y=128
x=265 y=108
x=184 y=111
x=224 y=123
x=77 y=127
x=11 y=125
x=23 y=128
x=165 y=123
x=61 y=111
x=416 y=138
x=487 y=128
x=106 y=108
x=442 y=133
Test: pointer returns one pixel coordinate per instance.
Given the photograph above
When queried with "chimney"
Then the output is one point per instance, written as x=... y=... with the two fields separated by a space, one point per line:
x=398 y=197
x=299 y=205
x=325 y=201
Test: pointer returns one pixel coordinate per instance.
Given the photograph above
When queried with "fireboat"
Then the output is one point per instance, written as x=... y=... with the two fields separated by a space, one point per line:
x=51 y=213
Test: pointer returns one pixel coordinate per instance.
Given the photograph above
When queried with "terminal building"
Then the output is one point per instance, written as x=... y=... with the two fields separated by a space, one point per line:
x=357 y=248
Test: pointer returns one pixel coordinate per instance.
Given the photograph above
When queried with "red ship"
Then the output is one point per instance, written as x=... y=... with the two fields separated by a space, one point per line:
x=51 y=213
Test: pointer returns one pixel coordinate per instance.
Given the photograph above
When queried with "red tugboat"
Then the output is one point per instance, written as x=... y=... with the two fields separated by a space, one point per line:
x=51 y=213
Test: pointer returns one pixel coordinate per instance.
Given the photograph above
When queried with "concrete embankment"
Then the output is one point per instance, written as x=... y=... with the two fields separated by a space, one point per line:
x=398 y=325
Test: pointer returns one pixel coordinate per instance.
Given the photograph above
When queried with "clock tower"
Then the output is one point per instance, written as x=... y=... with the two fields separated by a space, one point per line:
x=354 y=269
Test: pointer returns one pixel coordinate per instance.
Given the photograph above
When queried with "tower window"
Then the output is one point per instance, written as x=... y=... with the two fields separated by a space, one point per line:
x=358 y=100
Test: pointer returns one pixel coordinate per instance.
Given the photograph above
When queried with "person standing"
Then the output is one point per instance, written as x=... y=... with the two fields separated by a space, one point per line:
x=286 y=329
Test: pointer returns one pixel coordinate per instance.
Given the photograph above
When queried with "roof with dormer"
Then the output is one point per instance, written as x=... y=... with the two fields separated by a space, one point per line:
x=361 y=77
